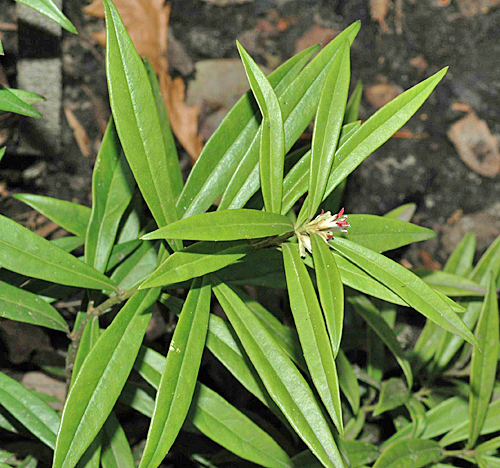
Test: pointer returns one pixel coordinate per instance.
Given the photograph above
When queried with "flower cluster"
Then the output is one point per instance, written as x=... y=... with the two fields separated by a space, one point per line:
x=324 y=224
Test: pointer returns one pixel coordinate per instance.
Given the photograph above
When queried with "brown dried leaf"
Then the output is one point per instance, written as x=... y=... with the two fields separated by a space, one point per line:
x=147 y=23
x=378 y=95
x=475 y=144
x=378 y=11
x=81 y=137
x=315 y=35
x=473 y=7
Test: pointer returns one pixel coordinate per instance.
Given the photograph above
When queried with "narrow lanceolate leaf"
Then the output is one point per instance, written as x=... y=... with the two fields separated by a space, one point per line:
x=112 y=188
x=331 y=290
x=70 y=216
x=449 y=284
x=197 y=260
x=18 y=304
x=136 y=118
x=484 y=364
x=313 y=336
x=225 y=226
x=379 y=128
x=174 y=169
x=327 y=125
x=116 y=451
x=213 y=416
x=29 y=254
x=414 y=453
x=9 y=102
x=352 y=108
x=282 y=379
x=394 y=393
x=224 y=424
x=298 y=103
x=460 y=260
x=30 y=410
x=225 y=149
x=403 y=212
x=272 y=136
x=348 y=381
x=179 y=376
x=50 y=9
x=406 y=285
x=374 y=319
x=381 y=234
x=101 y=379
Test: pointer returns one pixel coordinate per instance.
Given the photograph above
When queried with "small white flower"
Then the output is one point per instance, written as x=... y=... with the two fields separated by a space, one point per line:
x=324 y=224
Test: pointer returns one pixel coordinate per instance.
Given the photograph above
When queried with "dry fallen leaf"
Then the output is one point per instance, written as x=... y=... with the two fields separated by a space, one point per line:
x=147 y=24
x=81 y=137
x=378 y=95
x=475 y=144
x=473 y=7
x=378 y=11
x=315 y=35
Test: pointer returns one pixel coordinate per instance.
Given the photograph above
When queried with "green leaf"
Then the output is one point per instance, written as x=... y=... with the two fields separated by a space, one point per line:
x=30 y=410
x=331 y=290
x=461 y=431
x=488 y=446
x=136 y=118
x=381 y=234
x=379 y=128
x=18 y=304
x=9 y=102
x=214 y=416
x=484 y=364
x=27 y=96
x=282 y=379
x=101 y=379
x=449 y=283
x=297 y=179
x=327 y=125
x=174 y=169
x=29 y=254
x=438 y=420
x=460 y=260
x=352 y=108
x=1 y=51
x=348 y=381
x=298 y=103
x=410 y=453
x=272 y=136
x=359 y=452
x=2 y=152
x=112 y=188
x=394 y=393
x=49 y=8
x=406 y=285
x=238 y=132
x=377 y=323
x=211 y=415
x=402 y=212
x=197 y=260
x=179 y=376
x=225 y=226
x=116 y=451
x=70 y=216
x=485 y=461
x=313 y=336
x=489 y=263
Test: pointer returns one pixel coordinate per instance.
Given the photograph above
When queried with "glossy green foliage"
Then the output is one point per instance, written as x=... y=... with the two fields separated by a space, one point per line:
x=327 y=125
x=311 y=328
x=394 y=393
x=197 y=260
x=49 y=8
x=413 y=453
x=406 y=285
x=94 y=392
x=23 y=306
x=116 y=451
x=179 y=376
x=484 y=363
x=112 y=188
x=382 y=234
x=29 y=254
x=225 y=226
x=70 y=216
x=352 y=108
x=136 y=119
x=272 y=135
x=30 y=410
x=282 y=379
x=9 y=102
